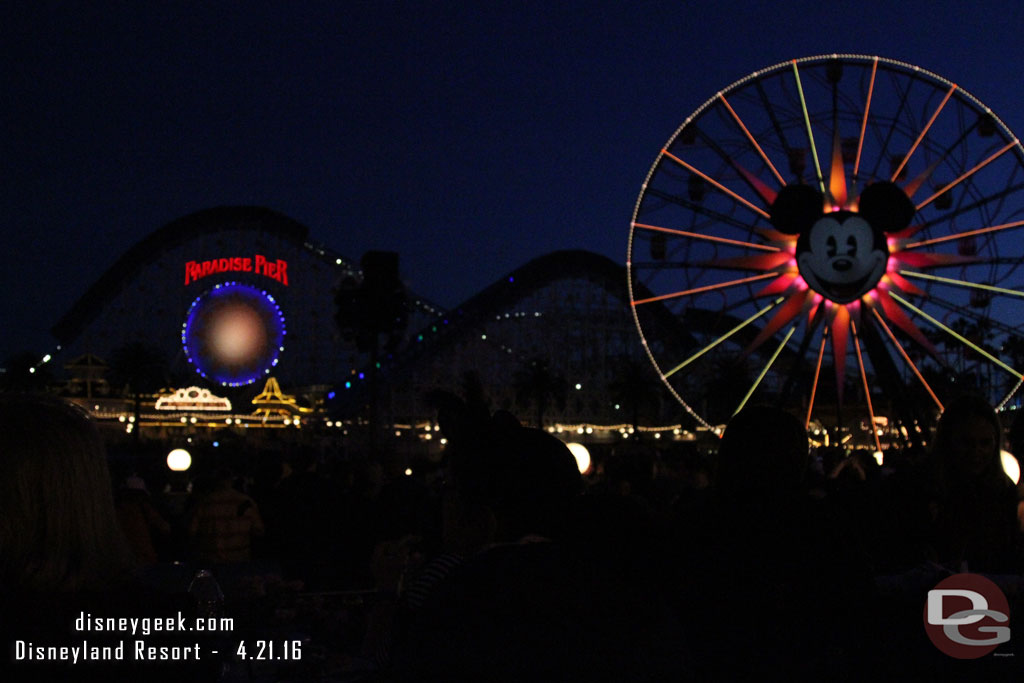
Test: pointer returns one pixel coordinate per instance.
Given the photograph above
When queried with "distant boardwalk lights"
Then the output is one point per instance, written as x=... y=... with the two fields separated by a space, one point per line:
x=193 y=398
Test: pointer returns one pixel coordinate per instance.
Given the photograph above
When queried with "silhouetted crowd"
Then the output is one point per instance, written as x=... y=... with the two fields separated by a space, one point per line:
x=761 y=560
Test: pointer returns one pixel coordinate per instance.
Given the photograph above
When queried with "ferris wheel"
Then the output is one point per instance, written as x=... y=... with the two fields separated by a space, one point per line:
x=839 y=230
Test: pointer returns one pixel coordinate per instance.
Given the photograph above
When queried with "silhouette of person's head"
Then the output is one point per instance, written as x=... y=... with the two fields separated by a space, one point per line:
x=58 y=527
x=526 y=477
x=763 y=453
x=223 y=479
x=968 y=439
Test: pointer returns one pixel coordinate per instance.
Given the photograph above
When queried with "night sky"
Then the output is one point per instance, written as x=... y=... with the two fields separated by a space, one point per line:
x=468 y=137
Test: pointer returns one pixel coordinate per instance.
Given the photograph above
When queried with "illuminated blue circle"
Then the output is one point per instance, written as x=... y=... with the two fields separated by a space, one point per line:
x=233 y=334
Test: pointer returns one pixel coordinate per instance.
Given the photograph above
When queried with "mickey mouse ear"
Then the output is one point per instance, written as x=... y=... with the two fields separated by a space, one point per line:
x=796 y=208
x=886 y=207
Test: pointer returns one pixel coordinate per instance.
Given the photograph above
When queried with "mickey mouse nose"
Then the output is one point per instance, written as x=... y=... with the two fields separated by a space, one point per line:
x=842 y=264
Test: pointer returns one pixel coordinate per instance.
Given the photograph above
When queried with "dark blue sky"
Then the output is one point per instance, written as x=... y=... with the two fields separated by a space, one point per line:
x=469 y=137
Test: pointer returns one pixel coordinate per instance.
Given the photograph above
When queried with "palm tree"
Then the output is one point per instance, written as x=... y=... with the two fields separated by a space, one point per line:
x=634 y=387
x=138 y=369
x=364 y=312
x=535 y=384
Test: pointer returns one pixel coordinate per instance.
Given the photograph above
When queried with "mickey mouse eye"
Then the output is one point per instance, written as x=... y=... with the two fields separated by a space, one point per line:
x=830 y=246
x=851 y=245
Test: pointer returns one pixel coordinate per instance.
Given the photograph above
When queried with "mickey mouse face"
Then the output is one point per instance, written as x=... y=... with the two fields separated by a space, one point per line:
x=842 y=255
x=840 y=258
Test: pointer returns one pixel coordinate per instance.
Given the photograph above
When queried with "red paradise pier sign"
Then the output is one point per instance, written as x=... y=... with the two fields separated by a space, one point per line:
x=259 y=264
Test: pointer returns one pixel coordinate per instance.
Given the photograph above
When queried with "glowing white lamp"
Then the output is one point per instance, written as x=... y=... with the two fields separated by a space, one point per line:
x=179 y=460
x=1011 y=466
x=582 y=455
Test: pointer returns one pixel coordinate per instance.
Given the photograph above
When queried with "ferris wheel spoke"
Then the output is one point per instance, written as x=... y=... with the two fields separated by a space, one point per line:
x=807 y=120
x=766 y=105
x=716 y=184
x=766 y=193
x=904 y=95
x=699 y=210
x=1014 y=261
x=795 y=371
x=956 y=335
x=767 y=367
x=975 y=317
x=750 y=137
x=899 y=318
x=837 y=175
x=790 y=310
x=896 y=315
x=976 y=206
x=840 y=336
x=755 y=262
x=924 y=131
x=1010 y=145
x=740 y=304
x=778 y=286
x=906 y=358
x=864 y=125
x=710 y=238
x=659 y=266
x=706 y=288
x=867 y=387
x=725 y=336
x=962 y=235
x=933 y=260
x=914 y=185
x=817 y=375
x=962 y=283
